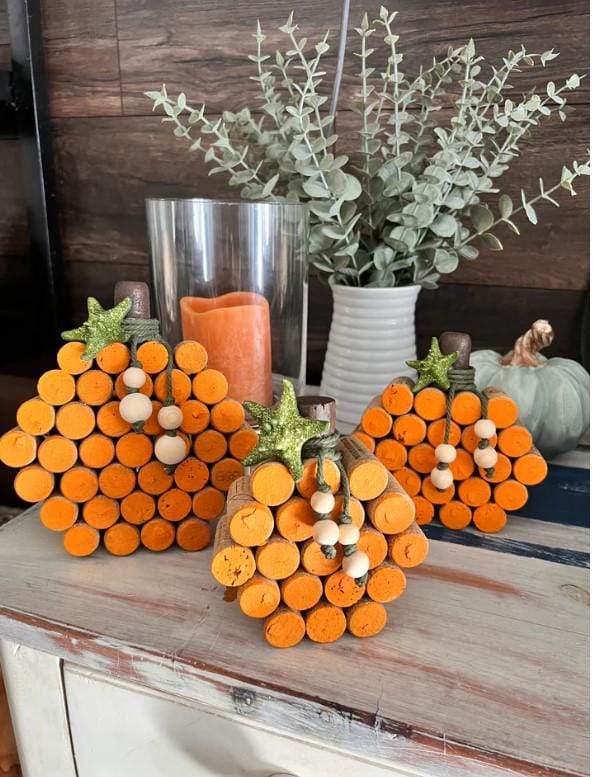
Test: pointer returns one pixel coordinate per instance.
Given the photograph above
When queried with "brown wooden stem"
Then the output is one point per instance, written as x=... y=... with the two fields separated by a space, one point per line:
x=524 y=353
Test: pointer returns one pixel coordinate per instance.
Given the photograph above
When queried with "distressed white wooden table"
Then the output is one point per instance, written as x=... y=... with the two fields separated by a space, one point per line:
x=137 y=668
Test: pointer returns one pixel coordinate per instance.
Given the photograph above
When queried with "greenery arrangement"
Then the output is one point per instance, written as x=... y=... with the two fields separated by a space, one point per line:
x=414 y=200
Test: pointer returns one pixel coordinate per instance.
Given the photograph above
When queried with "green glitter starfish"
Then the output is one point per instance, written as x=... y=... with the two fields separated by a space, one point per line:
x=101 y=328
x=433 y=369
x=283 y=431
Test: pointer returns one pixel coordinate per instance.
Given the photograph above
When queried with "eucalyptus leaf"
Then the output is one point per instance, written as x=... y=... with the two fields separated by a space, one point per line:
x=445 y=261
x=469 y=252
x=315 y=189
x=528 y=208
x=491 y=241
x=444 y=225
x=481 y=217
x=505 y=206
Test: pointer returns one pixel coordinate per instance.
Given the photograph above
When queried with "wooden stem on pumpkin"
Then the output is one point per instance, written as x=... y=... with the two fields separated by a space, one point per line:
x=318 y=408
x=449 y=342
x=524 y=354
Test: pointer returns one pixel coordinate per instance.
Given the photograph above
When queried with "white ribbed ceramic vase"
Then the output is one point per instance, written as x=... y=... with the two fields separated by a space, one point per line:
x=372 y=335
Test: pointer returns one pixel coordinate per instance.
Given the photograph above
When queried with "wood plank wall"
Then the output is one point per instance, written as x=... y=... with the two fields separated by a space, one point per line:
x=111 y=152
x=16 y=266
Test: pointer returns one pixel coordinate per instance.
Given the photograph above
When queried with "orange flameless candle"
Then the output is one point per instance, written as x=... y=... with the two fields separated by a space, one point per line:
x=235 y=331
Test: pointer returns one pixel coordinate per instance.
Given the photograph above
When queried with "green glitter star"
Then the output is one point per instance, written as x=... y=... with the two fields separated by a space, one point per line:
x=283 y=431
x=101 y=328
x=433 y=369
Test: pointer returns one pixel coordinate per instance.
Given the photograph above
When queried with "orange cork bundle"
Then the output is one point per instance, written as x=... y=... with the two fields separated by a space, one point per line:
x=135 y=446
x=322 y=553
x=458 y=453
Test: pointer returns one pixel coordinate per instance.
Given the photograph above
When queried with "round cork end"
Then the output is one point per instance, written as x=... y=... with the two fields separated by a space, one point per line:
x=81 y=540
x=302 y=591
x=368 y=480
x=386 y=583
x=284 y=628
x=259 y=597
x=367 y=619
x=325 y=623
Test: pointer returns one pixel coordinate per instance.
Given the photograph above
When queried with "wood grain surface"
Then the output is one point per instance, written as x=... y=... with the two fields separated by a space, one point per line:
x=82 y=58
x=13 y=217
x=481 y=670
x=202 y=47
x=102 y=185
x=4 y=37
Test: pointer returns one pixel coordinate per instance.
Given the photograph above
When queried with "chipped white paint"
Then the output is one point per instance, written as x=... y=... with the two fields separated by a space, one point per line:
x=480 y=672
x=165 y=738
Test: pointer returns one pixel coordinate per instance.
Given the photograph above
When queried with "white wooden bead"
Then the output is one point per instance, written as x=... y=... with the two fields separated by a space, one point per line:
x=134 y=377
x=445 y=453
x=135 y=407
x=484 y=429
x=356 y=565
x=349 y=534
x=485 y=457
x=170 y=417
x=322 y=502
x=326 y=532
x=170 y=450
x=441 y=478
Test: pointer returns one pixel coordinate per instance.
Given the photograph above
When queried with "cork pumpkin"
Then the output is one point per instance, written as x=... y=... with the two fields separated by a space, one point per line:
x=461 y=454
x=130 y=443
x=317 y=537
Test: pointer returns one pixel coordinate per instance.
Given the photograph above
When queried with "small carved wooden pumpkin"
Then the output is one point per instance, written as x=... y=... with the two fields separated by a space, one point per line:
x=552 y=394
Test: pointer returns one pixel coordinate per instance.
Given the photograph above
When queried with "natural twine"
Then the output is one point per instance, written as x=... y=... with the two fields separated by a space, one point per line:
x=141 y=330
x=322 y=448
x=463 y=380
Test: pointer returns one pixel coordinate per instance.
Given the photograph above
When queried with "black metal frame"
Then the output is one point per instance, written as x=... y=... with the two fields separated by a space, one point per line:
x=24 y=114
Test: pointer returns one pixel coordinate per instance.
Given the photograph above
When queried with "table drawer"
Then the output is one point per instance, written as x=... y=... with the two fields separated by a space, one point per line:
x=122 y=730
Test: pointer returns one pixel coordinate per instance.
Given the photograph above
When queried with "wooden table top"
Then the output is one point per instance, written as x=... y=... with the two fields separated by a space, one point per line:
x=480 y=672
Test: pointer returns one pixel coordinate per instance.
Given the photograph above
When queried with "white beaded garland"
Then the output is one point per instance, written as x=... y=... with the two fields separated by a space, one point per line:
x=356 y=565
x=445 y=453
x=134 y=378
x=170 y=450
x=135 y=407
x=326 y=532
x=441 y=478
x=349 y=534
x=484 y=428
x=170 y=417
x=485 y=457
x=323 y=502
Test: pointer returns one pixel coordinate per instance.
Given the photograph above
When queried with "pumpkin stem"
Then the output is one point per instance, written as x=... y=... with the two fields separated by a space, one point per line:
x=526 y=348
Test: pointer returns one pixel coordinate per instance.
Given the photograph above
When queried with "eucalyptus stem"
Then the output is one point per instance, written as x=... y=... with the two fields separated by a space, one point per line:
x=365 y=32
x=542 y=196
x=400 y=216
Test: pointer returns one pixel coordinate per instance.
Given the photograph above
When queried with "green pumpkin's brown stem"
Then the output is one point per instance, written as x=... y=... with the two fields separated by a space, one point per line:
x=526 y=348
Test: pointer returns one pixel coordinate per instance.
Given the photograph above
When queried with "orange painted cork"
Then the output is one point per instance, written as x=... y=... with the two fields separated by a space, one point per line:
x=366 y=619
x=397 y=398
x=285 y=628
x=410 y=548
x=302 y=590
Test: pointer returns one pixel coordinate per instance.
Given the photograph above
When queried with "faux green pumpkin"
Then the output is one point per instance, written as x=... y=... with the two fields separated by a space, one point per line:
x=552 y=394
